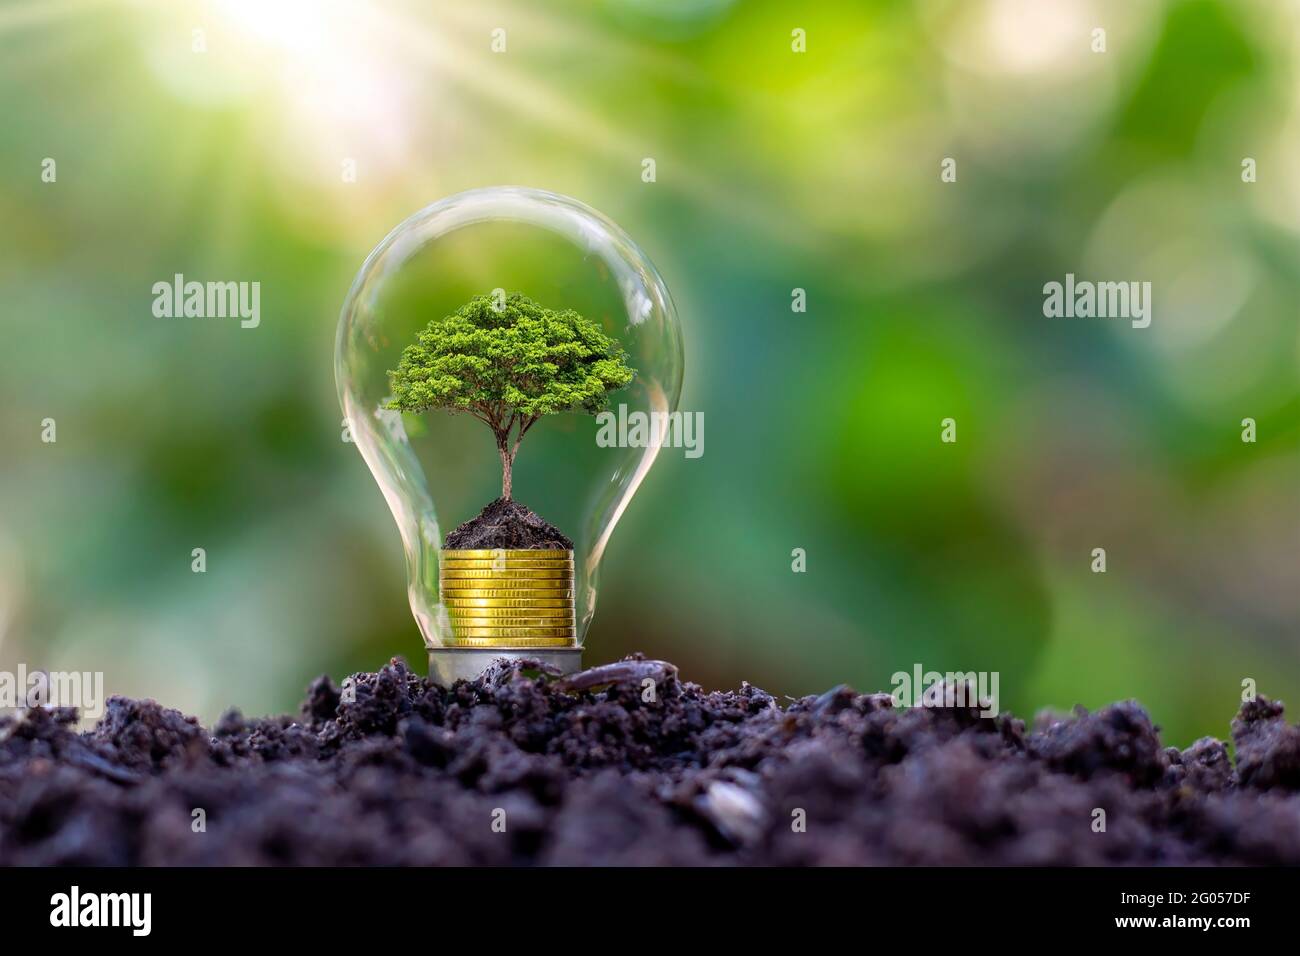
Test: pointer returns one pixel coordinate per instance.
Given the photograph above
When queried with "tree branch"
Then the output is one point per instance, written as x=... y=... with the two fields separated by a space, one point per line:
x=524 y=425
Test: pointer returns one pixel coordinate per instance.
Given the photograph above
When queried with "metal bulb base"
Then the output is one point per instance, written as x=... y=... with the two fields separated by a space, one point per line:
x=450 y=664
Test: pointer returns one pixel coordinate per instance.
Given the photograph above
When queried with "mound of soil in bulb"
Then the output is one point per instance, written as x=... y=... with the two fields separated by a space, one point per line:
x=507 y=524
x=391 y=769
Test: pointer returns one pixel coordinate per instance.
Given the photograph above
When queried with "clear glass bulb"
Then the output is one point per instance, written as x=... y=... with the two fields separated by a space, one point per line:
x=563 y=255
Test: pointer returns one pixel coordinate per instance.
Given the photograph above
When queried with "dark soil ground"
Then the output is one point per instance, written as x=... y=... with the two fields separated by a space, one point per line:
x=587 y=770
x=507 y=524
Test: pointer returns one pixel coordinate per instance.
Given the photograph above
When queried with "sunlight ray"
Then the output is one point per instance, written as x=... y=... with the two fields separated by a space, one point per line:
x=532 y=100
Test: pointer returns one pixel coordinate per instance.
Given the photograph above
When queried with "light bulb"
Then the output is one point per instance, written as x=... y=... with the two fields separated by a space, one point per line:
x=559 y=277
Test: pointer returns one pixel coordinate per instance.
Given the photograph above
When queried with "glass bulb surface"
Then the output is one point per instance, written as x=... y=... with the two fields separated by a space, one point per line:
x=563 y=255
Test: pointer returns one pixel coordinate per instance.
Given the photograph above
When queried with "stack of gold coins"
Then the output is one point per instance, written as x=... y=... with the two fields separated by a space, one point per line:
x=508 y=599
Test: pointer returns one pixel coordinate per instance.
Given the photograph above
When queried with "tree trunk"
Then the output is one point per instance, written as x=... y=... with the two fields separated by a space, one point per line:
x=507 y=466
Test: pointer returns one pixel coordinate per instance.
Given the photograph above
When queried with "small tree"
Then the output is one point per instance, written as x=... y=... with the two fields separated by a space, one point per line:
x=508 y=363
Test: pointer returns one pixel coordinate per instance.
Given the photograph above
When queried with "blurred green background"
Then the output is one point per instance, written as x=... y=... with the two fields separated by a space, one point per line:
x=776 y=170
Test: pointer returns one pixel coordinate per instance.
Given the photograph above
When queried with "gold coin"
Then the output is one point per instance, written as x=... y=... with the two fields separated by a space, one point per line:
x=507 y=565
x=508 y=593
x=510 y=626
x=543 y=557
x=488 y=574
x=459 y=630
x=507 y=604
x=516 y=618
x=549 y=626
x=463 y=613
x=534 y=554
x=513 y=642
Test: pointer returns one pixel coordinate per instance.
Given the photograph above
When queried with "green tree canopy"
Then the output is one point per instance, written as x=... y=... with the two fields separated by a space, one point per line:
x=508 y=361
